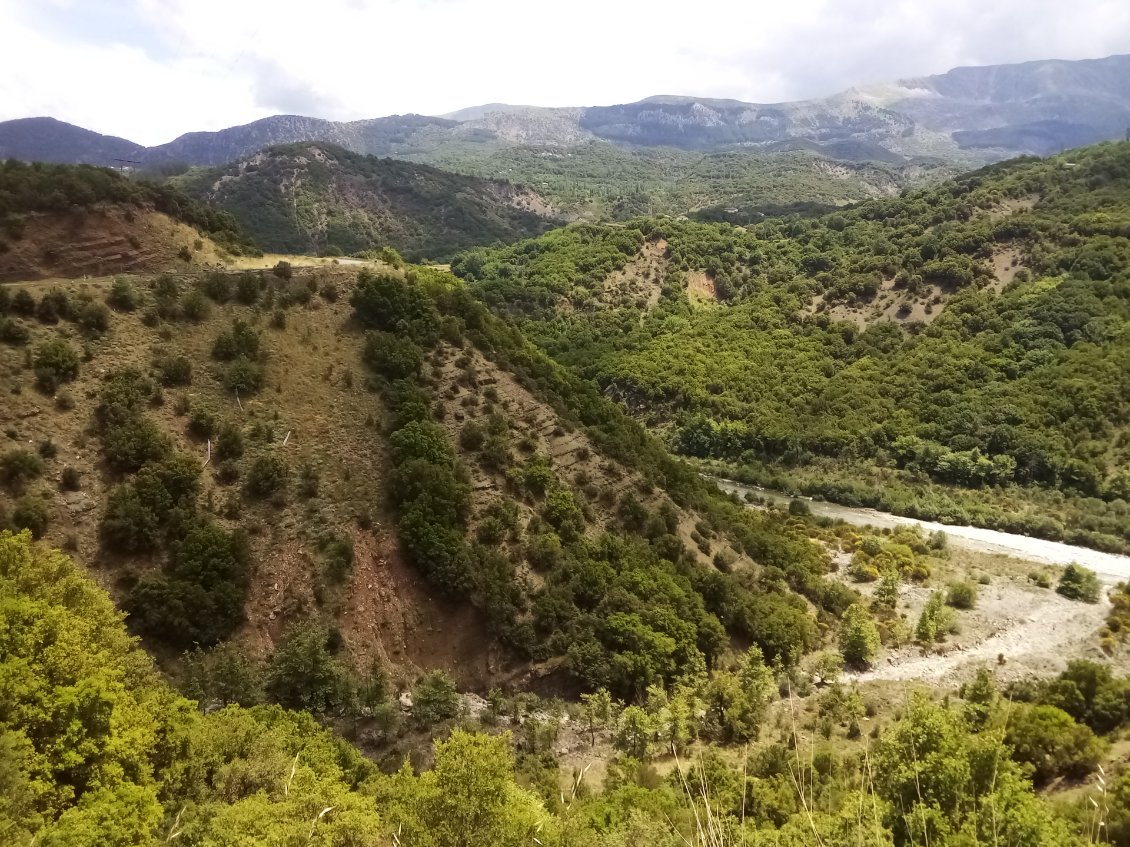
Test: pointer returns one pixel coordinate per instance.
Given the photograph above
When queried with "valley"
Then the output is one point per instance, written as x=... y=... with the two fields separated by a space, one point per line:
x=691 y=495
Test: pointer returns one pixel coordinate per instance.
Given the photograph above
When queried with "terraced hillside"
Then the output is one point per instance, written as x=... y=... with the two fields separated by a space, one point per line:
x=253 y=391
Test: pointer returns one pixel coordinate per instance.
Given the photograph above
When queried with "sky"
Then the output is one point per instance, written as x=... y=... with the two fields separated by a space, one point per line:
x=150 y=70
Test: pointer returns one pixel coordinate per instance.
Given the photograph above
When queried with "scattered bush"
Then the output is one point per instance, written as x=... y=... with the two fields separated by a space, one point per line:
x=961 y=595
x=13 y=332
x=240 y=341
x=434 y=699
x=391 y=356
x=303 y=674
x=31 y=514
x=1079 y=583
x=242 y=376
x=202 y=423
x=247 y=289
x=70 y=479
x=229 y=443
x=266 y=477
x=54 y=305
x=123 y=297
x=195 y=307
x=173 y=370
x=92 y=318
x=55 y=362
x=218 y=287
x=18 y=467
x=23 y=303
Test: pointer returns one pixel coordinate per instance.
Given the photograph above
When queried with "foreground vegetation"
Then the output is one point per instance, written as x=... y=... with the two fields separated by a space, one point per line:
x=97 y=749
x=1006 y=393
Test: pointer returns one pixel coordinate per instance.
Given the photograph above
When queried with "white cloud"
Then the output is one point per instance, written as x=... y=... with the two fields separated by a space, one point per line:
x=152 y=69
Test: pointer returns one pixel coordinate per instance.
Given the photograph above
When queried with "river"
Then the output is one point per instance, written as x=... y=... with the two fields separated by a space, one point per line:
x=1111 y=568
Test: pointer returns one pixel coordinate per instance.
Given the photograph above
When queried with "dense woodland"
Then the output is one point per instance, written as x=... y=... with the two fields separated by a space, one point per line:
x=41 y=187
x=1025 y=388
x=604 y=180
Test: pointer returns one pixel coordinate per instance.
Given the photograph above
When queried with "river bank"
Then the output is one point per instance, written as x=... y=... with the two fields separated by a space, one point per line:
x=1110 y=567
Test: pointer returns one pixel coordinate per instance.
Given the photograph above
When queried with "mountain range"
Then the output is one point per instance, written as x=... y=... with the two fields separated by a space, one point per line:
x=968 y=115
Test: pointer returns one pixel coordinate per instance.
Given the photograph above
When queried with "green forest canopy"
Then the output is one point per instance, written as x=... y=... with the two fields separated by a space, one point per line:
x=1028 y=387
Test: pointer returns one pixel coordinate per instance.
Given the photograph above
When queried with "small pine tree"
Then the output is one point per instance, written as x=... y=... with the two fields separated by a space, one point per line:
x=859 y=637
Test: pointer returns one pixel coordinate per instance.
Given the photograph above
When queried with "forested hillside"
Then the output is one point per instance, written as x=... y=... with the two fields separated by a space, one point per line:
x=44 y=188
x=320 y=198
x=972 y=336
x=234 y=450
x=327 y=501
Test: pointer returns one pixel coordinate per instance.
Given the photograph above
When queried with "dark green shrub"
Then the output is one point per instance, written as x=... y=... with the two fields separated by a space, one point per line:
x=129 y=523
x=55 y=362
x=53 y=307
x=247 y=289
x=962 y=595
x=218 y=287
x=133 y=443
x=266 y=476
x=339 y=558
x=387 y=302
x=308 y=482
x=241 y=340
x=1078 y=583
x=283 y=270
x=202 y=423
x=173 y=370
x=93 y=318
x=13 y=332
x=392 y=356
x=242 y=376
x=31 y=514
x=472 y=436
x=563 y=514
x=23 y=303
x=195 y=307
x=199 y=599
x=434 y=699
x=123 y=296
x=229 y=443
x=303 y=674
x=70 y=479
x=544 y=551
x=18 y=467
